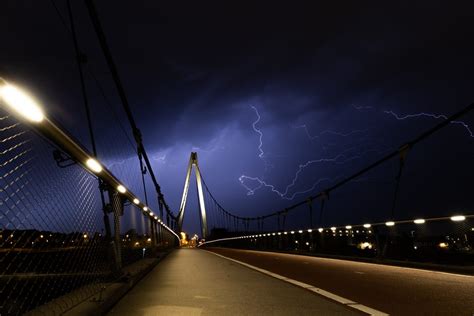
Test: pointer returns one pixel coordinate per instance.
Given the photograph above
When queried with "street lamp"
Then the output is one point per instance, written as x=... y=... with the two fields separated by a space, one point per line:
x=19 y=101
x=458 y=218
x=121 y=188
x=93 y=165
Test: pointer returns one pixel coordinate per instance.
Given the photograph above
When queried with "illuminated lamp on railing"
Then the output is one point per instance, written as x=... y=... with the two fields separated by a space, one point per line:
x=156 y=217
x=19 y=101
x=145 y=208
x=151 y=214
x=458 y=218
x=121 y=188
x=136 y=201
x=93 y=165
x=419 y=221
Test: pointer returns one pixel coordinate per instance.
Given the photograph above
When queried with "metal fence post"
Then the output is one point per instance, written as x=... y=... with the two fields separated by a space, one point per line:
x=116 y=203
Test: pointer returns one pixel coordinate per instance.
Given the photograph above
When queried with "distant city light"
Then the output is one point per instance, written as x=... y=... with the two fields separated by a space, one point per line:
x=348 y=227
x=333 y=229
x=367 y=225
x=419 y=221
x=292 y=232
x=93 y=165
x=443 y=245
x=20 y=102
x=121 y=188
x=310 y=230
x=389 y=224
x=365 y=245
x=300 y=231
x=458 y=218
x=320 y=230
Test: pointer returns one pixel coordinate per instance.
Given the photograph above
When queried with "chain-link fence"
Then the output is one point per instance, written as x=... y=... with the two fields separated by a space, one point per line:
x=63 y=229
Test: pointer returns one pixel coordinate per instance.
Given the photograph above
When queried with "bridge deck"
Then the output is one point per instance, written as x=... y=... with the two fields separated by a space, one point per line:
x=195 y=282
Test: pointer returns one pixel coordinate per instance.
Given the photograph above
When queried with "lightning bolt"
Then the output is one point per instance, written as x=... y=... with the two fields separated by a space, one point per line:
x=331 y=132
x=259 y=132
x=435 y=116
x=341 y=158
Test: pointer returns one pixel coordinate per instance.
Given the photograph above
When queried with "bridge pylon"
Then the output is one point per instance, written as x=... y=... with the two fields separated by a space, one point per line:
x=193 y=163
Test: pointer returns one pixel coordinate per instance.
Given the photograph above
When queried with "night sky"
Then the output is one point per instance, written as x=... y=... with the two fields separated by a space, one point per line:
x=279 y=101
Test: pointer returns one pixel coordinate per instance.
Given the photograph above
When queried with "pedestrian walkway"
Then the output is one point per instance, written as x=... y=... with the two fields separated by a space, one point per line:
x=195 y=282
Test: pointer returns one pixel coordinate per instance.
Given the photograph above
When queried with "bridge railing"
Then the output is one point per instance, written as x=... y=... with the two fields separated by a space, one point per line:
x=406 y=206
x=67 y=223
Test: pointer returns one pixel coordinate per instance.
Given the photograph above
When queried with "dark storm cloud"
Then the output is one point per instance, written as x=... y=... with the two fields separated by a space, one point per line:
x=192 y=71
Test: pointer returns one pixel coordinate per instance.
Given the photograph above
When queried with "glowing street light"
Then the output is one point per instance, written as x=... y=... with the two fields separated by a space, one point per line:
x=145 y=208
x=333 y=229
x=390 y=224
x=20 y=102
x=136 y=201
x=121 y=188
x=93 y=165
x=348 y=227
x=320 y=230
x=367 y=225
x=458 y=218
x=419 y=221
x=151 y=213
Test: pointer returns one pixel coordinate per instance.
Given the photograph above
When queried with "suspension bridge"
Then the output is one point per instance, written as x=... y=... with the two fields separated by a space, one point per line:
x=85 y=228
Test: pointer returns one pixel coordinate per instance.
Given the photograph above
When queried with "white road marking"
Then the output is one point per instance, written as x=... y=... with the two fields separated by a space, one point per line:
x=332 y=296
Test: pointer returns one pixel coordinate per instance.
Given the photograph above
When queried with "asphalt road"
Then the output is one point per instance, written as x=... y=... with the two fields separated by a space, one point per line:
x=194 y=282
x=393 y=290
